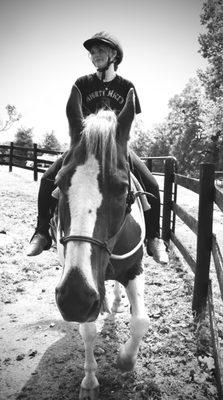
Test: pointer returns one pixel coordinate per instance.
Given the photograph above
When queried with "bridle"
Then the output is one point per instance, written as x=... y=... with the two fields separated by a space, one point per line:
x=130 y=199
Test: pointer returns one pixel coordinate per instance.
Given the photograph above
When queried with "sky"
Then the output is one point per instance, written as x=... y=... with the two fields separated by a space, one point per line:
x=42 y=54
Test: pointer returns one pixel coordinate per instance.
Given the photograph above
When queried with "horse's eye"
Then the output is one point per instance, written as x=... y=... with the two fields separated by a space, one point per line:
x=118 y=187
x=122 y=187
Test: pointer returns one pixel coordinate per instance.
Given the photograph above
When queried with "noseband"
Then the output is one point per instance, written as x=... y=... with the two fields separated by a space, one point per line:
x=130 y=199
x=88 y=239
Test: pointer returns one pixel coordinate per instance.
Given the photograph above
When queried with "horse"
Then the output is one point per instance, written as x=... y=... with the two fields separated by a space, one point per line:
x=100 y=231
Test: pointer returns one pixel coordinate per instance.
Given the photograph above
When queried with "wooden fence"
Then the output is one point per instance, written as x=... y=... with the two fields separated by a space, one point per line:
x=206 y=244
x=30 y=158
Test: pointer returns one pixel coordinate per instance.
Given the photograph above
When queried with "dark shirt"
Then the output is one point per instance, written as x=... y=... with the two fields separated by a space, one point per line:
x=108 y=95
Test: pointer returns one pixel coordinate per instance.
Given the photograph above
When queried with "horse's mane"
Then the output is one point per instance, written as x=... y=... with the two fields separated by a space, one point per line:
x=98 y=137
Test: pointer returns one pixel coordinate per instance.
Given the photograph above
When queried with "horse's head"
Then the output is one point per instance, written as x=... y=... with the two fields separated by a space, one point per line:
x=93 y=186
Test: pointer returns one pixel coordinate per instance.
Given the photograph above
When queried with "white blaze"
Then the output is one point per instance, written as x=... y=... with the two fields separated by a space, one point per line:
x=84 y=199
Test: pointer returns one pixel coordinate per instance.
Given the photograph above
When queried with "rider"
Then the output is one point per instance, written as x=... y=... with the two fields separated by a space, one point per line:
x=103 y=89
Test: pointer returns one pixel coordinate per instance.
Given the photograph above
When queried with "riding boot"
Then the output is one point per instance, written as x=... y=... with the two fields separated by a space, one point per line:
x=41 y=239
x=154 y=245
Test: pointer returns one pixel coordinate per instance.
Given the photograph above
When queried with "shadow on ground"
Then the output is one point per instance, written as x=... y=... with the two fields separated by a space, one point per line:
x=61 y=369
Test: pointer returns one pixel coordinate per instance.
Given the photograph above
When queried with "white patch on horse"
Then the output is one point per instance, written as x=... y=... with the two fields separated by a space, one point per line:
x=84 y=200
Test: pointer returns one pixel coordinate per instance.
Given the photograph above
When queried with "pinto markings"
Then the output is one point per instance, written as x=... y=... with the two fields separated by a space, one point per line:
x=84 y=199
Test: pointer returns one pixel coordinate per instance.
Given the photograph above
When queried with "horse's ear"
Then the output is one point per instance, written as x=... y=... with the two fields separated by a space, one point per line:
x=75 y=114
x=126 y=116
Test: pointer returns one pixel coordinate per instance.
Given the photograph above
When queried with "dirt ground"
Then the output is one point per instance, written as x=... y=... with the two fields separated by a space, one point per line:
x=42 y=357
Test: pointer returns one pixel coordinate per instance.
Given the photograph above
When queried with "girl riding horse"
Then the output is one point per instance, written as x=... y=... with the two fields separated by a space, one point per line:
x=98 y=237
x=101 y=90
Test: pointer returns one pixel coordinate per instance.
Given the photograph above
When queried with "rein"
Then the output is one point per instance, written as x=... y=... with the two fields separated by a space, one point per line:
x=130 y=199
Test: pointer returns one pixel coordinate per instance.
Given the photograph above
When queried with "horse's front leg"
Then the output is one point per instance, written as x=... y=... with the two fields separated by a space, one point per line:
x=89 y=385
x=117 y=305
x=138 y=324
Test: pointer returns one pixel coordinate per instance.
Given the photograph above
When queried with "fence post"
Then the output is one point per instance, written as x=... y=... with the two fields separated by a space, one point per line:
x=35 y=166
x=204 y=239
x=167 y=197
x=11 y=157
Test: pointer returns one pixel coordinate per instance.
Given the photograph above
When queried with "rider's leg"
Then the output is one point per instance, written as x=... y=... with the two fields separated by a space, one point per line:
x=41 y=239
x=155 y=245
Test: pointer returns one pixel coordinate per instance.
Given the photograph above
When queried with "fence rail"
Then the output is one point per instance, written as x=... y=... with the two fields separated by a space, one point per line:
x=26 y=158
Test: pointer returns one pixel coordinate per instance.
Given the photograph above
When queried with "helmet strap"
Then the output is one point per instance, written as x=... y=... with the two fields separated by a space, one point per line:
x=104 y=69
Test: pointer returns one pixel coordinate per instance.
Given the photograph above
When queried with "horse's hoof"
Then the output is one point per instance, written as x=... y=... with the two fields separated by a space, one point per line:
x=89 y=394
x=126 y=363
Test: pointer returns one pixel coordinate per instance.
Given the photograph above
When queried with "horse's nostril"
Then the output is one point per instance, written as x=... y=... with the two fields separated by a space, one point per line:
x=61 y=294
x=60 y=290
x=94 y=298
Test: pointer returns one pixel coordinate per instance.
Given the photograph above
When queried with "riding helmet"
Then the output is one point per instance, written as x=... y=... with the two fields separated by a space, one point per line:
x=108 y=40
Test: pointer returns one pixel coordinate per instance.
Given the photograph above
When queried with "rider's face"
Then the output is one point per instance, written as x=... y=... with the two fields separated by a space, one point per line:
x=100 y=55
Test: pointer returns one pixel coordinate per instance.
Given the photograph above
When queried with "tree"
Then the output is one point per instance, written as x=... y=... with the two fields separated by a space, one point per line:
x=211 y=47
x=140 y=139
x=50 y=142
x=211 y=43
x=13 y=116
x=23 y=138
x=184 y=127
x=160 y=144
x=150 y=143
x=212 y=130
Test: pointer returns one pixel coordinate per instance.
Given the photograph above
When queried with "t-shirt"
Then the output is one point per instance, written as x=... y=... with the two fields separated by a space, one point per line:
x=97 y=94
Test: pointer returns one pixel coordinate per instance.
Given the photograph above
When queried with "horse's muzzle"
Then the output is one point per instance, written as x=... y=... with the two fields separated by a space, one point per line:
x=76 y=300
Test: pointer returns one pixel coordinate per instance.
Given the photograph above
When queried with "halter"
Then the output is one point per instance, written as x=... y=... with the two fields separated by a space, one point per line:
x=130 y=199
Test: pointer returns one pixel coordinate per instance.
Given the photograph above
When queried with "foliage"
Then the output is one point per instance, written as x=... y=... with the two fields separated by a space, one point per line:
x=13 y=116
x=191 y=131
x=181 y=134
x=184 y=125
x=211 y=43
x=160 y=145
x=50 y=142
x=149 y=143
x=23 y=138
x=212 y=128
x=195 y=125
x=140 y=139
x=4 y=156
